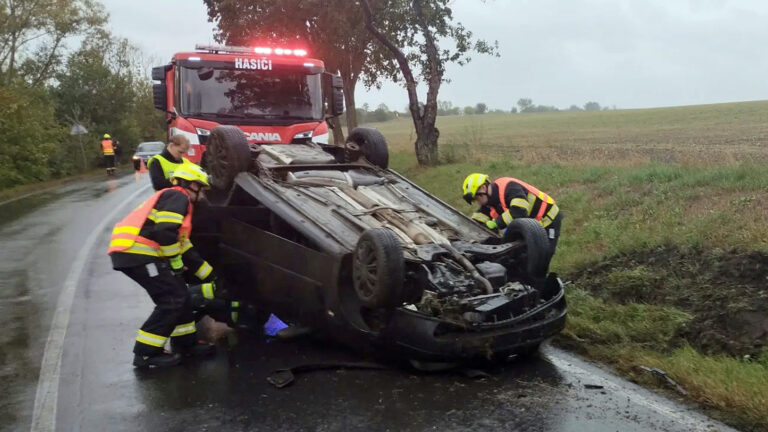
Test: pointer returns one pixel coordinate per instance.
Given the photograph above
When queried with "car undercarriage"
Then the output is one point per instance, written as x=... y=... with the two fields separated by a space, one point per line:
x=330 y=237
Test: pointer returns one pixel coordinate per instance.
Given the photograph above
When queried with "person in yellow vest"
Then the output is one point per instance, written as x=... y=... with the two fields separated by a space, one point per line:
x=108 y=149
x=162 y=165
x=151 y=246
x=506 y=199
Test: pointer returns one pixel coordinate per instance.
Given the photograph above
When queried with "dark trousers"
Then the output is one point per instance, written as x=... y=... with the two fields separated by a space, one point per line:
x=172 y=308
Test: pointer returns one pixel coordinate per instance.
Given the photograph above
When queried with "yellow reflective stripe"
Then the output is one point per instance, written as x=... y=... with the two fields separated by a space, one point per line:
x=184 y=329
x=170 y=214
x=186 y=245
x=204 y=271
x=235 y=315
x=170 y=250
x=126 y=230
x=550 y=217
x=531 y=201
x=151 y=339
x=133 y=247
x=168 y=217
x=121 y=242
x=553 y=212
x=481 y=217
x=520 y=202
x=507 y=217
x=207 y=289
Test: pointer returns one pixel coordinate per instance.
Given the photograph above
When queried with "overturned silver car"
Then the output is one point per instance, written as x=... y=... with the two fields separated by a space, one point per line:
x=329 y=237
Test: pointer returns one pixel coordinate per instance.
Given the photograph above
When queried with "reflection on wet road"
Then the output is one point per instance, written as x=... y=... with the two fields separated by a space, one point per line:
x=99 y=389
x=38 y=235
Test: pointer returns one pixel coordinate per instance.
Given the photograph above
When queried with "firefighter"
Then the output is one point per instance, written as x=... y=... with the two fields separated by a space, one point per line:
x=162 y=165
x=506 y=199
x=108 y=149
x=151 y=246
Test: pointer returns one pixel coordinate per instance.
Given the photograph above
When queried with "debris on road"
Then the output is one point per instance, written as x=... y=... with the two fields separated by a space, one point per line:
x=663 y=375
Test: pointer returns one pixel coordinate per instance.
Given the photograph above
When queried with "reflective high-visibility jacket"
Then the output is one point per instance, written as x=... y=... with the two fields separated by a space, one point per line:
x=107 y=147
x=511 y=199
x=161 y=167
x=159 y=228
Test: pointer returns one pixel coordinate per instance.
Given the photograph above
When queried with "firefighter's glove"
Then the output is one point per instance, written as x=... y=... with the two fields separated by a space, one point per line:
x=177 y=264
x=491 y=224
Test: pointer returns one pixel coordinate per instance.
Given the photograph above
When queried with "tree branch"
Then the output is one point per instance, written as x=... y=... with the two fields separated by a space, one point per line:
x=402 y=61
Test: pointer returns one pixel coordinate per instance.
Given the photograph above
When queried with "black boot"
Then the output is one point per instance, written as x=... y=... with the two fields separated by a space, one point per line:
x=159 y=360
x=198 y=349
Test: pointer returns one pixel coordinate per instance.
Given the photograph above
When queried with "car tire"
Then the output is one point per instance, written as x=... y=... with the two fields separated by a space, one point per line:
x=227 y=154
x=373 y=145
x=378 y=269
x=537 y=252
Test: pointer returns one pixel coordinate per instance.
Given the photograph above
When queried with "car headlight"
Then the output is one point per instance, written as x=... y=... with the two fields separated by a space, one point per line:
x=203 y=132
x=135 y=158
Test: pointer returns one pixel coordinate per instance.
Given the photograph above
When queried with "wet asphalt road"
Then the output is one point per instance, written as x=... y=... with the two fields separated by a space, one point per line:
x=98 y=389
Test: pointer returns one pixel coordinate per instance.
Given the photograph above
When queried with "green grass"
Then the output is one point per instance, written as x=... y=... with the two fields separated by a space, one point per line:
x=628 y=181
x=704 y=134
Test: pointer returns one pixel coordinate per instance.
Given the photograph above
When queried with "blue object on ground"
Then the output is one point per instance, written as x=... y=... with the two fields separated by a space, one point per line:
x=273 y=325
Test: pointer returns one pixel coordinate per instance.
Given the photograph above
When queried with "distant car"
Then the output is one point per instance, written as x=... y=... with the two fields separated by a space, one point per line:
x=145 y=151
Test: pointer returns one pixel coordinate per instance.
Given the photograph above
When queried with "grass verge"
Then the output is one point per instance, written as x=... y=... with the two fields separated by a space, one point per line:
x=28 y=189
x=617 y=212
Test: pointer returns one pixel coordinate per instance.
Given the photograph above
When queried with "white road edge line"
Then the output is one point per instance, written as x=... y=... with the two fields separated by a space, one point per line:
x=677 y=413
x=47 y=394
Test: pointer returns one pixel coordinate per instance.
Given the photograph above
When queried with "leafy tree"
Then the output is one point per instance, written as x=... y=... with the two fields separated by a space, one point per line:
x=382 y=113
x=481 y=108
x=591 y=106
x=525 y=104
x=331 y=30
x=30 y=135
x=575 y=108
x=101 y=87
x=416 y=34
x=33 y=35
x=469 y=110
x=513 y=110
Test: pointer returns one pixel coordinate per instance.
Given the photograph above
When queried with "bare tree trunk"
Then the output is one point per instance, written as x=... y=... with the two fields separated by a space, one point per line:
x=423 y=122
x=338 y=132
x=349 y=100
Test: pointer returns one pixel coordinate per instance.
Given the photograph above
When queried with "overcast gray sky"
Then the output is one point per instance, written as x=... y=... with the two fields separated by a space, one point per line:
x=628 y=53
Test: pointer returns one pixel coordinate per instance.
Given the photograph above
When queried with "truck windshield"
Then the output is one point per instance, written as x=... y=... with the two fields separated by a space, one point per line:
x=250 y=94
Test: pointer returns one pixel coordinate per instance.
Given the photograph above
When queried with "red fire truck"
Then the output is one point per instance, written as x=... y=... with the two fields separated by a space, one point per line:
x=274 y=95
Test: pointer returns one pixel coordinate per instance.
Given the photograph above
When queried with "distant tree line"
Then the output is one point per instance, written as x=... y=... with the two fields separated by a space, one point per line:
x=45 y=86
x=382 y=112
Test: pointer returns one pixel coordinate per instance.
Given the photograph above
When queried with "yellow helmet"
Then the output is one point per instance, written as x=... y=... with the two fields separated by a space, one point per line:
x=191 y=173
x=471 y=184
x=107 y=136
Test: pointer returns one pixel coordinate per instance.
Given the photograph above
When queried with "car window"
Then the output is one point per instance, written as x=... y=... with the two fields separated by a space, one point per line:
x=154 y=147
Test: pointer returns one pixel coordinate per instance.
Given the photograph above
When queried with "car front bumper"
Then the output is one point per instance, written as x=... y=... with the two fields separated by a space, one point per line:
x=416 y=336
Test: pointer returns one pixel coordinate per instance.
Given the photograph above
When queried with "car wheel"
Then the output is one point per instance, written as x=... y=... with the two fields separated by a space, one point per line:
x=227 y=154
x=378 y=269
x=534 y=260
x=373 y=145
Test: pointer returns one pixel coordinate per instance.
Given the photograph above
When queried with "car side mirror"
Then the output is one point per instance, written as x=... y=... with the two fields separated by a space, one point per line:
x=334 y=91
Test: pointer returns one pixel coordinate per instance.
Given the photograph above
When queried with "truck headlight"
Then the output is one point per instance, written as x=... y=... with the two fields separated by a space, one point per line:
x=203 y=132
x=302 y=137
